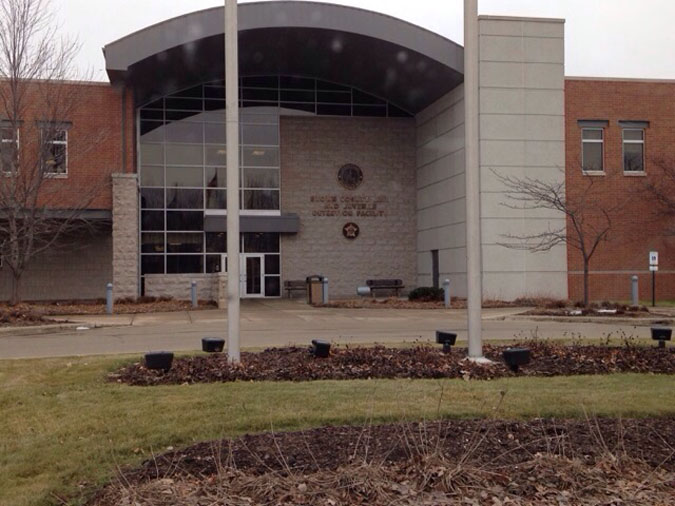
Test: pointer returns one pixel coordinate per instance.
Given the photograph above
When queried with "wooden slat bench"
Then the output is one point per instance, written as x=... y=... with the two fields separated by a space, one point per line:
x=295 y=285
x=385 y=284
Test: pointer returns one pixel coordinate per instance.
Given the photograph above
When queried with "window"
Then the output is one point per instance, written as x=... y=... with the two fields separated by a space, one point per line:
x=633 y=150
x=55 y=151
x=9 y=147
x=592 y=149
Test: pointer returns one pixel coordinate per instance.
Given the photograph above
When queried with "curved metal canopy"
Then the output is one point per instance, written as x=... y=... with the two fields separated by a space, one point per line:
x=381 y=55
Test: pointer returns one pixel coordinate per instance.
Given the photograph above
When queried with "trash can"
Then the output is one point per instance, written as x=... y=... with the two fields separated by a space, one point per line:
x=314 y=289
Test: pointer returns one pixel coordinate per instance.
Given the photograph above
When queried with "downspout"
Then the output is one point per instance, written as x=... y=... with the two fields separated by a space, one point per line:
x=124 y=129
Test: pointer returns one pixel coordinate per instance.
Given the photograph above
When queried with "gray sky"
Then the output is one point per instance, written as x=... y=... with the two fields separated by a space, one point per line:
x=613 y=38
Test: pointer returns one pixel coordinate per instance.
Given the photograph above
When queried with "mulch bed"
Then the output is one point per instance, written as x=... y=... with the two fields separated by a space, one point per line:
x=455 y=303
x=469 y=462
x=422 y=361
x=143 y=305
x=620 y=311
x=22 y=315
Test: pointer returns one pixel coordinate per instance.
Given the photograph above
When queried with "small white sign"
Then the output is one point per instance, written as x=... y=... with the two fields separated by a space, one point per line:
x=653 y=258
x=653 y=268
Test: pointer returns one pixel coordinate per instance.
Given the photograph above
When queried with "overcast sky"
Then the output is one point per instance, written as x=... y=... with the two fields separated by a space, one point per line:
x=613 y=38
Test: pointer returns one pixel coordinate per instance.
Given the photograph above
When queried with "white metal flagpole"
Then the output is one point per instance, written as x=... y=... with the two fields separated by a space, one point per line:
x=232 y=141
x=473 y=234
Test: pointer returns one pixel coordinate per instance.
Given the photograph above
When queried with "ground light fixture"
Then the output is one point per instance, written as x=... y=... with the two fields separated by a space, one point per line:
x=320 y=348
x=213 y=344
x=159 y=360
x=447 y=339
x=515 y=357
x=661 y=334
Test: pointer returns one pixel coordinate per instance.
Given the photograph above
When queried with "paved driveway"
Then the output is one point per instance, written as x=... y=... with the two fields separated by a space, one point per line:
x=280 y=322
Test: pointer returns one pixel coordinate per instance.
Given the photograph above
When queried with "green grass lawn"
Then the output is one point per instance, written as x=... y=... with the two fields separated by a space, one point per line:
x=63 y=428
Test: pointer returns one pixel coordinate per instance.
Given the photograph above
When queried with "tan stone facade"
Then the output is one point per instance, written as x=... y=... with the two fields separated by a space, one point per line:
x=125 y=236
x=383 y=206
x=178 y=286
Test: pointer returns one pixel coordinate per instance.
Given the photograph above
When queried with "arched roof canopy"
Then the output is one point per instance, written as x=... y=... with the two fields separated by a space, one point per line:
x=409 y=66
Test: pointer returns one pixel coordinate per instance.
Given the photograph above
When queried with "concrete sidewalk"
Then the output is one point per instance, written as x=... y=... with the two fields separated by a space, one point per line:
x=282 y=322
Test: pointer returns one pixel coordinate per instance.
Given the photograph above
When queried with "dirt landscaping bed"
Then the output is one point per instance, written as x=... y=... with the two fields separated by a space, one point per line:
x=422 y=361
x=606 y=309
x=124 y=306
x=23 y=315
x=467 y=462
x=456 y=303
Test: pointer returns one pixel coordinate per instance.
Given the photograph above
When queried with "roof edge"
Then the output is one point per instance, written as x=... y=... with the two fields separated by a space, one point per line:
x=521 y=18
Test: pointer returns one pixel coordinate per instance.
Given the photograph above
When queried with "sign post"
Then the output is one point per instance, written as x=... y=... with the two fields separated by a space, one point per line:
x=653 y=266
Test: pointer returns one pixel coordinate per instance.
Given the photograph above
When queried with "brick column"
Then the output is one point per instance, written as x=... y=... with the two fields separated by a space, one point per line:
x=125 y=236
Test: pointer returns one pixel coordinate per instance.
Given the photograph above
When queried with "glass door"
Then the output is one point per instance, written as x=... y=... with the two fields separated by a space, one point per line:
x=252 y=275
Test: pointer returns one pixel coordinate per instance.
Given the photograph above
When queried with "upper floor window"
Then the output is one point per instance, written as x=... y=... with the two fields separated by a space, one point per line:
x=592 y=149
x=55 y=150
x=633 y=141
x=9 y=148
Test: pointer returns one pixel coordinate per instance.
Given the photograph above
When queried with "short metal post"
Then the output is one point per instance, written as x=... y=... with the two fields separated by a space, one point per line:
x=446 y=290
x=193 y=293
x=634 y=291
x=324 y=291
x=109 y=298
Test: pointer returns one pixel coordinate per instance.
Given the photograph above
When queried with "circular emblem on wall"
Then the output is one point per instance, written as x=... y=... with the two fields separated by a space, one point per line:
x=350 y=176
x=351 y=230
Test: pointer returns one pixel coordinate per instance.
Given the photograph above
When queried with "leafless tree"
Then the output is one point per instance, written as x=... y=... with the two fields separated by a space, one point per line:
x=588 y=221
x=660 y=189
x=37 y=98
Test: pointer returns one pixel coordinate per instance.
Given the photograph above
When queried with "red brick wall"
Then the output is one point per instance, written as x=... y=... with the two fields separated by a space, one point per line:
x=94 y=142
x=636 y=227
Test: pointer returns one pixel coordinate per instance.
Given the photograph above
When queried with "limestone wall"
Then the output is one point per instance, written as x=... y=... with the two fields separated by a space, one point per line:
x=441 y=191
x=125 y=238
x=382 y=206
x=522 y=121
x=178 y=286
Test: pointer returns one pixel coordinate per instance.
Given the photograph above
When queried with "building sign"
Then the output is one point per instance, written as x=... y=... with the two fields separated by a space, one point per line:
x=359 y=206
x=653 y=261
x=351 y=230
x=350 y=176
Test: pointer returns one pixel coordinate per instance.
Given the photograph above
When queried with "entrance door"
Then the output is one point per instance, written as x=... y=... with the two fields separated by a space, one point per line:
x=251 y=274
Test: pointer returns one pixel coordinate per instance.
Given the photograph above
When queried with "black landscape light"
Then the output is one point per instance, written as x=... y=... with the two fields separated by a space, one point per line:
x=159 y=360
x=320 y=349
x=661 y=334
x=447 y=339
x=515 y=357
x=213 y=344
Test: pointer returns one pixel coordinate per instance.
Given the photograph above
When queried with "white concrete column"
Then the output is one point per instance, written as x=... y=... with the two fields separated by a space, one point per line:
x=473 y=234
x=232 y=141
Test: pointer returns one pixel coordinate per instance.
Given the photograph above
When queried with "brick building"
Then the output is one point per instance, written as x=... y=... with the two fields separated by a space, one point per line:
x=352 y=159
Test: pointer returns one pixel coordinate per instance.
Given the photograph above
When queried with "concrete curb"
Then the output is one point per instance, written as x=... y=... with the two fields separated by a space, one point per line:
x=54 y=328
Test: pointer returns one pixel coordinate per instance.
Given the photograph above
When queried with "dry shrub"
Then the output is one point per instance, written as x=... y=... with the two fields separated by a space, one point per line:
x=426 y=476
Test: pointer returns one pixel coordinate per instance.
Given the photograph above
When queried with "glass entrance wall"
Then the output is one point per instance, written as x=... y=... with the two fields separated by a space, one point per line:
x=267 y=244
x=182 y=155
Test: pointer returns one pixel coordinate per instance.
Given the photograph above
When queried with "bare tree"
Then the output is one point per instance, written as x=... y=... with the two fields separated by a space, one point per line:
x=660 y=189
x=588 y=220
x=37 y=100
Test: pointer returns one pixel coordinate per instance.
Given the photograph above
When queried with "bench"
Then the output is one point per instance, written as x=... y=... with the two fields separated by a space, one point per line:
x=385 y=284
x=295 y=286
